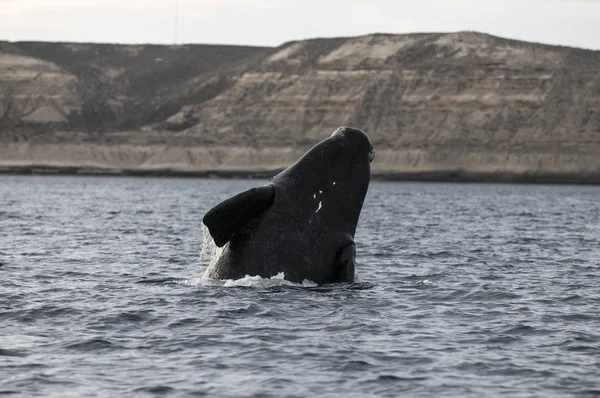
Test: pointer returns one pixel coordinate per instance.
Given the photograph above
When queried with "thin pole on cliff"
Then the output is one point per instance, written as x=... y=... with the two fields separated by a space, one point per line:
x=176 y=19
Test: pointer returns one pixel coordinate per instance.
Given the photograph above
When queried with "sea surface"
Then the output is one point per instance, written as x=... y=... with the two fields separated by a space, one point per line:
x=463 y=290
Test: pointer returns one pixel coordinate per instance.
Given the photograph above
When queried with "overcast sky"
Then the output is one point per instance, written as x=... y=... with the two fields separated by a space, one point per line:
x=272 y=22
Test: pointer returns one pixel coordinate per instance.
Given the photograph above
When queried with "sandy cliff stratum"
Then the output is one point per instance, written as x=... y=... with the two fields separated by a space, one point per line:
x=456 y=106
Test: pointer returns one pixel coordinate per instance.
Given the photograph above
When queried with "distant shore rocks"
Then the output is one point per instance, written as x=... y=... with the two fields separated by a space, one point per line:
x=461 y=106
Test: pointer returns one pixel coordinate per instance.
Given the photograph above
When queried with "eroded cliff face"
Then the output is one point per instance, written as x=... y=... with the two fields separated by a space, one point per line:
x=436 y=106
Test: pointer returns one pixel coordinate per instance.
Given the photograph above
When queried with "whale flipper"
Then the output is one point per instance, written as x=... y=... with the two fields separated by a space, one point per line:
x=226 y=218
x=345 y=264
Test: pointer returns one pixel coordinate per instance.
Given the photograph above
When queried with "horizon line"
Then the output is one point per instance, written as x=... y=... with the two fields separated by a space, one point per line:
x=295 y=41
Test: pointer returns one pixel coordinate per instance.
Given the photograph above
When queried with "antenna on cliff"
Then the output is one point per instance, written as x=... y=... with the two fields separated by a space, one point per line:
x=176 y=20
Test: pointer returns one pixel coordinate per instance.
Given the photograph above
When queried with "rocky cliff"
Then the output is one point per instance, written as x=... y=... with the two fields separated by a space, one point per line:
x=457 y=106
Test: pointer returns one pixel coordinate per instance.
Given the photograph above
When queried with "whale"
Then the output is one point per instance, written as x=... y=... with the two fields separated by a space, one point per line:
x=302 y=222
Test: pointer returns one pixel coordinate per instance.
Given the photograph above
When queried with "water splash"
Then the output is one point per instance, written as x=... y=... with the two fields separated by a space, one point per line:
x=260 y=282
x=209 y=253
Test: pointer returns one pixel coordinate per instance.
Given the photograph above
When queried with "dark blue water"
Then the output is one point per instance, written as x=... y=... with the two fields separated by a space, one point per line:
x=464 y=290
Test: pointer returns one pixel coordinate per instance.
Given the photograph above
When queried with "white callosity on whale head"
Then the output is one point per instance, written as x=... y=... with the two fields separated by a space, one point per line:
x=319 y=208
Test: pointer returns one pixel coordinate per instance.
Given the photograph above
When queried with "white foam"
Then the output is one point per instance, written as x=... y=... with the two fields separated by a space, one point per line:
x=257 y=281
x=426 y=282
x=248 y=281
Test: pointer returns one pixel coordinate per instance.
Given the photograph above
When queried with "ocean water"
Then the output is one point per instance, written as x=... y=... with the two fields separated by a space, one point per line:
x=463 y=290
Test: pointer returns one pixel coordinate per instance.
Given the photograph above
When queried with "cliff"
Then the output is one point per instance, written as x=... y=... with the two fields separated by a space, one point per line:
x=456 y=106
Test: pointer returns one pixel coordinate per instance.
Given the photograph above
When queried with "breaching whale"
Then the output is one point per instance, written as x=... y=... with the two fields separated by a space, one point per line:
x=303 y=221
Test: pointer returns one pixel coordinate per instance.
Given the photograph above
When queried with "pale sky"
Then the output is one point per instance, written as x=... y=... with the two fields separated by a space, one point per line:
x=273 y=22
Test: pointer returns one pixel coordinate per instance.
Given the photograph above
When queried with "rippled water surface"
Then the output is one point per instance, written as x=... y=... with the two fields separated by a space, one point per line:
x=464 y=290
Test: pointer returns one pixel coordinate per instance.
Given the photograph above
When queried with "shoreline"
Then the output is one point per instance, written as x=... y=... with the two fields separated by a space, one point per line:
x=434 y=176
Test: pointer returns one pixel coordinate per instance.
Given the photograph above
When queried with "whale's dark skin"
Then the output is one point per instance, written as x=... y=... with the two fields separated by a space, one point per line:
x=302 y=223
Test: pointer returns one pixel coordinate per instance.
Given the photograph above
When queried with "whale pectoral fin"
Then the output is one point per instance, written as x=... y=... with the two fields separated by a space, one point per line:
x=229 y=216
x=345 y=264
